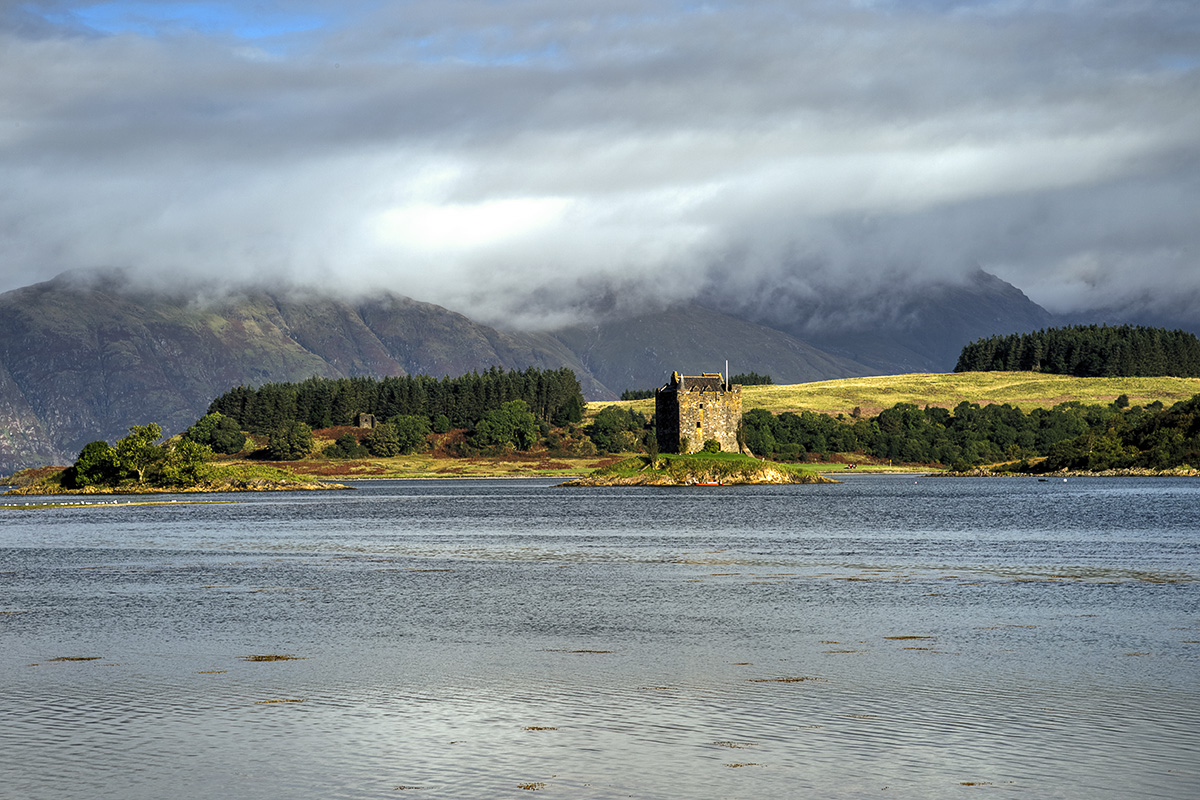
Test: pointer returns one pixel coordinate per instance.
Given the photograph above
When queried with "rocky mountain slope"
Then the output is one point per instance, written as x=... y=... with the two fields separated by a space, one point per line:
x=640 y=352
x=83 y=357
x=901 y=328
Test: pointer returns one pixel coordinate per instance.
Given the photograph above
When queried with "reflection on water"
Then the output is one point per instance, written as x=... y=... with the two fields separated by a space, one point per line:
x=489 y=638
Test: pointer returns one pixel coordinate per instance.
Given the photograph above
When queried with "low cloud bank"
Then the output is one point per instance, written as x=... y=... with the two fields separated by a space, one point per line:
x=536 y=163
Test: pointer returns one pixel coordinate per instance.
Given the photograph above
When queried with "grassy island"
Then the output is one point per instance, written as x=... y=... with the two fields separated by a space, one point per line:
x=217 y=478
x=725 y=469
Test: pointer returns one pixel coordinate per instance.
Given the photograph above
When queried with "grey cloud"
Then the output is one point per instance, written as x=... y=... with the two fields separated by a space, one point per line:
x=532 y=161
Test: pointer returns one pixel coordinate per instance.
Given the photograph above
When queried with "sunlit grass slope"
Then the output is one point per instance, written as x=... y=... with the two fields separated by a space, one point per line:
x=1026 y=390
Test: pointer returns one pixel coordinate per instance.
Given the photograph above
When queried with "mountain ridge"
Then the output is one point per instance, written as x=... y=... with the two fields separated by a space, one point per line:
x=85 y=355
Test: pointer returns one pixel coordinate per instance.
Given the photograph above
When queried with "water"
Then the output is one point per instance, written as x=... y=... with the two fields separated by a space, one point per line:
x=888 y=636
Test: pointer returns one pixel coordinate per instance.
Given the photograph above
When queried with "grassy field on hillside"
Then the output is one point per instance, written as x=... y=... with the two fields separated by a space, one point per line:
x=1026 y=390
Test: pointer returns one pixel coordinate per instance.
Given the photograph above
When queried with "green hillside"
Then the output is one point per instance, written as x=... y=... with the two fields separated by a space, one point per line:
x=1025 y=390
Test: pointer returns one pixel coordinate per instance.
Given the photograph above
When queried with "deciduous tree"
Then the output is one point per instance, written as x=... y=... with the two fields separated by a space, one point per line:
x=136 y=452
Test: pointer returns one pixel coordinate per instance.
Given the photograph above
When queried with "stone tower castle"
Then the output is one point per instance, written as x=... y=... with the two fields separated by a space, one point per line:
x=691 y=409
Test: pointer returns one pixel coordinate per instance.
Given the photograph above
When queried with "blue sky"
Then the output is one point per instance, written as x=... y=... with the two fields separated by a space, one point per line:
x=515 y=158
x=245 y=20
x=157 y=19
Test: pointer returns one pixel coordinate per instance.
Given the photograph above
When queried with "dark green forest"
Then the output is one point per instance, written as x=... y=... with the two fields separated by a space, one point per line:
x=552 y=396
x=1088 y=351
x=751 y=379
x=1069 y=436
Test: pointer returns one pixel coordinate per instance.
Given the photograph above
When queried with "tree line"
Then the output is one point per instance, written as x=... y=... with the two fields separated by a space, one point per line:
x=1068 y=436
x=1087 y=351
x=551 y=396
x=138 y=459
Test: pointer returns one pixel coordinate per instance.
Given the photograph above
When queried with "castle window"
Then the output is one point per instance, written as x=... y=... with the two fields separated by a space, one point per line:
x=697 y=424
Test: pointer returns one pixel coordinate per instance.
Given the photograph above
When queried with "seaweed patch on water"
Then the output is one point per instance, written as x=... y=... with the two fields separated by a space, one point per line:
x=212 y=672
x=539 y=728
x=907 y=638
x=790 y=679
x=284 y=700
x=735 y=745
x=532 y=787
x=264 y=589
x=403 y=788
x=76 y=658
x=273 y=657
x=975 y=783
x=743 y=764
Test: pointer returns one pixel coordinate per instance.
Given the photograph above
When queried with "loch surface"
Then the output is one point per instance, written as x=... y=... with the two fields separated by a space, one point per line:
x=889 y=636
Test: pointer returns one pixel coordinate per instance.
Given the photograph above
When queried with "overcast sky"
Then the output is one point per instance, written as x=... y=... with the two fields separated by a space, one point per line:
x=526 y=157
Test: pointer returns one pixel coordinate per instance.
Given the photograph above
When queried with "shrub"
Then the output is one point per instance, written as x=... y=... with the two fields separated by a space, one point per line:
x=346 y=446
x=290 y=441
x=219 y=432
x=384 y=441
x=511 y=425
x=411 y=431
x=96 y=465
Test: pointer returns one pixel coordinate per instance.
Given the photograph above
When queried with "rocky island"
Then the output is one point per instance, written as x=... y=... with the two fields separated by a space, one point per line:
x=701 y=469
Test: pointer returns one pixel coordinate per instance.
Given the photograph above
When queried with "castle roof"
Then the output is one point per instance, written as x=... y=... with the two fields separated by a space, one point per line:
x=708 y=382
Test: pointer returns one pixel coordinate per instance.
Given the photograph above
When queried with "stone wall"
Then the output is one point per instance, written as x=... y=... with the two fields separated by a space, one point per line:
x=691 y=410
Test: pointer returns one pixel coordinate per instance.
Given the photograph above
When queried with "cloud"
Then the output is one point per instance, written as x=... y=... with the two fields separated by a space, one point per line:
x=530 y=161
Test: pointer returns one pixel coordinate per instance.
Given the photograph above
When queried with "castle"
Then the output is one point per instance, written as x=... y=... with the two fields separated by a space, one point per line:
x=692 y=409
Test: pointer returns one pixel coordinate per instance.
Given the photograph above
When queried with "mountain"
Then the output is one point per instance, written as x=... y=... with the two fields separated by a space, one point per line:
x=639 y=352
x=84 y=358
x=86 y=355
x=902 y=328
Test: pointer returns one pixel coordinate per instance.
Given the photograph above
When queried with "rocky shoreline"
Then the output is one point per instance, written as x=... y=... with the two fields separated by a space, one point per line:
x=717 y=474
x=207 y=487
x=982 y=472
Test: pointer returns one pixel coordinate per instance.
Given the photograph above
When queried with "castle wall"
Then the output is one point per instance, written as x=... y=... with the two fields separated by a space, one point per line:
x=666 y=421
x=697 y=414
